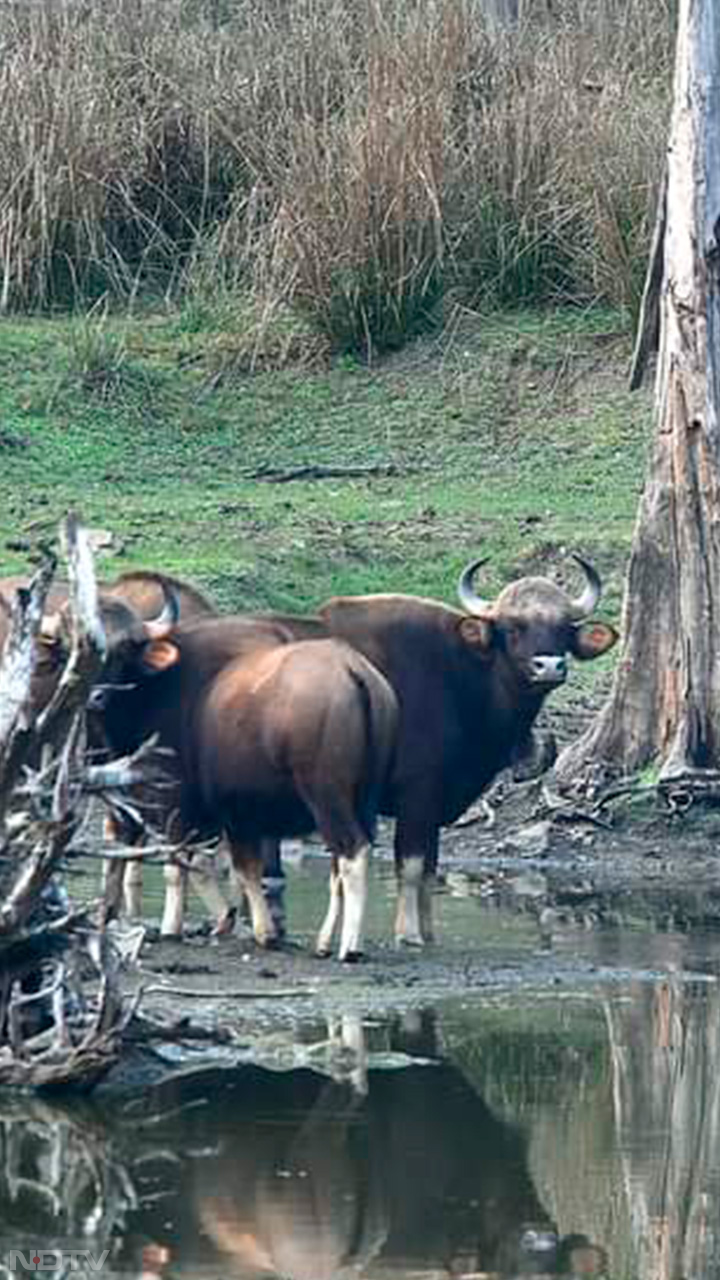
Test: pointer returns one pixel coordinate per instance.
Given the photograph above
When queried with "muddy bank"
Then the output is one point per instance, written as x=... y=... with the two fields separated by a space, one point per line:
x=530 y=908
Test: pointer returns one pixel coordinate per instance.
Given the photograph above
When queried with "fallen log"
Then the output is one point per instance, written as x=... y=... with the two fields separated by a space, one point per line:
x=328 y=471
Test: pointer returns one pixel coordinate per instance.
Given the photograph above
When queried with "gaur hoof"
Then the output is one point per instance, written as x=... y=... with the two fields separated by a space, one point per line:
x=353 y=957
x=271 y=943
x=323 y=953
x=202 y=930
x=408 y=940
x=225 y=924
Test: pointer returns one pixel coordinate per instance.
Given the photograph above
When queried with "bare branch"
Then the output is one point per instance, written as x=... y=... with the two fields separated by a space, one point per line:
x=87 y=639
x=321 y=471
x=648 y=328
x=243 y=993
x=16 y=672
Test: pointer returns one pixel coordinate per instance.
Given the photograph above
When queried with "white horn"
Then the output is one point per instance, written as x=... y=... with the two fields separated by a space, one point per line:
x=584 y=604
x=470 y=601
x=159 y=628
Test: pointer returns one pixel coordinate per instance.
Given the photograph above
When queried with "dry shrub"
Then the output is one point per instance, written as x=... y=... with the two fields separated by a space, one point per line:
x=614 y=167
x=351 y=158
x=556 y=161
x=105 y=174
x=356 y=239
x=506 y=226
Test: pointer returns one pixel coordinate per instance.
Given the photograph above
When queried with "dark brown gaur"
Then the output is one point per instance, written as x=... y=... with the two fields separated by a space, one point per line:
x=269 y=738
x=470 y=684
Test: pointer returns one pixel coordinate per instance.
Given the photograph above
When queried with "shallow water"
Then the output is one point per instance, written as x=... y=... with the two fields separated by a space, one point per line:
x=560 y=1126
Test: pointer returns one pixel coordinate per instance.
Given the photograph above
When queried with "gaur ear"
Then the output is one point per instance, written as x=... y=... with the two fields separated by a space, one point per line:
x=476 y=632
x=591 y=639
x=46 y=641
x=49 y=650
x=49 y=653
x=160 y=655
x=50 y=628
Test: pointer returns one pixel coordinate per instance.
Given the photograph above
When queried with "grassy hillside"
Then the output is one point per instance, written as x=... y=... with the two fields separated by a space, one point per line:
x=511 y=436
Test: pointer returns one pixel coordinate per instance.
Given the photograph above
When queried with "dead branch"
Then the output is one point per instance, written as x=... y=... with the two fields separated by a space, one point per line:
x=86 y=636
x=632 y=786
x=557 y=809
x=83 y=1037
x=482 y=812
x=143 y=1030
x=681 y=788
x=143 y=767
x=648 y=329
x=161 y=852
x=16 y=672
x=243 y=993
x=62 y=1007
x=50 y=841
x=128 y=771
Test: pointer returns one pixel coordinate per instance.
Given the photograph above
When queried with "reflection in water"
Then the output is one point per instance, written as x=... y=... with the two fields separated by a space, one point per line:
x=418 y=1173
x=420 y=1170
x=665 y=1047
x=60 y=1186
x=292 y=1174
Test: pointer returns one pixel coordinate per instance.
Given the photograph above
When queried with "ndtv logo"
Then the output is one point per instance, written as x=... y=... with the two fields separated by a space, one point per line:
x=55 y=1259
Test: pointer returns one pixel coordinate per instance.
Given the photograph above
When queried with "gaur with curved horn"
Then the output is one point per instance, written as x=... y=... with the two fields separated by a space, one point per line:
x=470 y=686
x=535 y=623
x=581 y=607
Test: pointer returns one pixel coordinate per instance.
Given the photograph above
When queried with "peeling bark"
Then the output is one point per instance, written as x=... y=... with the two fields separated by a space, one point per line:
x=664 y=705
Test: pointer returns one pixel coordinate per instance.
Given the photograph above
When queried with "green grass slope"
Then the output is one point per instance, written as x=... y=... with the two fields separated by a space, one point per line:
x=508 y=436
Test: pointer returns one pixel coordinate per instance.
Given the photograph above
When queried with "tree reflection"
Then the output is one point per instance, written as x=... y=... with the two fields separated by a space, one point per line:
x=665 y=1048
x=61 y=1185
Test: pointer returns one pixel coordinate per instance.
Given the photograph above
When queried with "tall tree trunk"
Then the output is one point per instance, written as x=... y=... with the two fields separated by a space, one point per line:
x=665 y=700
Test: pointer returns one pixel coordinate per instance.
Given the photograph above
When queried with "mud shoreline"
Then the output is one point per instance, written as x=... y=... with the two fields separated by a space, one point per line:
x=526 y=909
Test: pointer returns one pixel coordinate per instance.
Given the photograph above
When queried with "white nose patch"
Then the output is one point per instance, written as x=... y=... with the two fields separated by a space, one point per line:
x=549 y=667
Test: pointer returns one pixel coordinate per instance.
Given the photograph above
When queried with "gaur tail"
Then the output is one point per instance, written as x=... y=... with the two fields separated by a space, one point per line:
x=377 y=757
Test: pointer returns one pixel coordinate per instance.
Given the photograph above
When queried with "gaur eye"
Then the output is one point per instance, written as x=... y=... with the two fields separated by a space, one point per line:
x=515 y=632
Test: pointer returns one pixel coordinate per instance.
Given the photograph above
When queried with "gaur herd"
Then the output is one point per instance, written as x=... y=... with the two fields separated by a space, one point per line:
x=282 y=725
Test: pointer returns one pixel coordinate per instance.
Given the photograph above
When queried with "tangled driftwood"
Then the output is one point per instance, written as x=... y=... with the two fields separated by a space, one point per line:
x=62 y=1006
